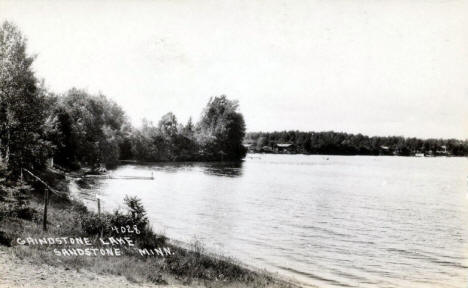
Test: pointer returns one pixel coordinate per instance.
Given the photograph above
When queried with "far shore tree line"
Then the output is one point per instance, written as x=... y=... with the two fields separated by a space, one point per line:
x=339 y=143
x=79 y=129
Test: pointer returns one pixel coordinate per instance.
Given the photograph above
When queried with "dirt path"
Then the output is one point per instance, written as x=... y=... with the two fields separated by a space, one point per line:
x=15 y=272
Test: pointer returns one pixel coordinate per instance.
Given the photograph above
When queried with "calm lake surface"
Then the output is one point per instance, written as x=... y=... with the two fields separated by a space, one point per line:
x=327 y=221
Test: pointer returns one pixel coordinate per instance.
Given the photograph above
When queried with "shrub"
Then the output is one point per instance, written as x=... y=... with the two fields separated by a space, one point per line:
x=148 y=239
x=136 y=210
x=5 y=239
x=92 y=224
x=26 y=213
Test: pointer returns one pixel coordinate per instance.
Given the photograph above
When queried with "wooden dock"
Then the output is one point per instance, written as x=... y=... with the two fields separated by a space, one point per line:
x=121 y=177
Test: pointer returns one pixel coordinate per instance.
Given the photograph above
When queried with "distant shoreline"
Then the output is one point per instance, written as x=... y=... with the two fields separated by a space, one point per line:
x=339 y=143
x=316 y=154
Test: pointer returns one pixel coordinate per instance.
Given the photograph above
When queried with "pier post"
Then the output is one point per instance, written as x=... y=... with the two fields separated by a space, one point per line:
x=46 y=202
x=99 y=214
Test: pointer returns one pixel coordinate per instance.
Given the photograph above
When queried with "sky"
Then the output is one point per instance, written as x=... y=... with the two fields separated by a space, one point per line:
x=364 y=66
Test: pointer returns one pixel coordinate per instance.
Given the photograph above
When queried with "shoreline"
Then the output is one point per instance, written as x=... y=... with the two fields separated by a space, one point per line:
x=351 y=155
x=190 y=265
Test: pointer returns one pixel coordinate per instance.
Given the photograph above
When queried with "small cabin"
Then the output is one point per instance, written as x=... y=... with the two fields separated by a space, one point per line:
x=384 y=150
x=284 y=147
x=442 y=150
x=249 y=146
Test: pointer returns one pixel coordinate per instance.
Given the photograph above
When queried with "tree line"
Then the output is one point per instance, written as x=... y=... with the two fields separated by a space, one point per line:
x=352 y=144
x=78 y=129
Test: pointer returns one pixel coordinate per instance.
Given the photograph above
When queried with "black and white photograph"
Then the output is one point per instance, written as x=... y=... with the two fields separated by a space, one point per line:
x=234 y=143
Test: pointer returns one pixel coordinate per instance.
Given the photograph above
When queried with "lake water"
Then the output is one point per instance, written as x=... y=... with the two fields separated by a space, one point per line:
x=327 y=221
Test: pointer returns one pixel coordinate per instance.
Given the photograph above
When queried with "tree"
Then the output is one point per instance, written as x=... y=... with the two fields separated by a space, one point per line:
x=22 y=105
x=168 y=125
x=221 y=130
x=89 y=129
x=189 y=129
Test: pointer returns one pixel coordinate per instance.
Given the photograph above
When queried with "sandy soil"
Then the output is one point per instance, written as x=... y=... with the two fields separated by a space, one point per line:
x=15 y=272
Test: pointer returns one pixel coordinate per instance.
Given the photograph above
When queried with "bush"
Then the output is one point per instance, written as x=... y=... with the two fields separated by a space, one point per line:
x=5 y=240
x=148 y=239
x=79 y=207
x=94 y=225
x=26 y=213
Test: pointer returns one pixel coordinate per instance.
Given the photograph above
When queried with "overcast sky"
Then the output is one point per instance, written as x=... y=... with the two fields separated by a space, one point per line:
x=373 y=67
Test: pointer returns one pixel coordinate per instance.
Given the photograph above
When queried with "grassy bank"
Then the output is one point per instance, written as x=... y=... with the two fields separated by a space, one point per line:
x=70 y=218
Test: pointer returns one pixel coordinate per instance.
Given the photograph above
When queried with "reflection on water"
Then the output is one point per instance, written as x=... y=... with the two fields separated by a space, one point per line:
x=330 y=221
x=227 y=169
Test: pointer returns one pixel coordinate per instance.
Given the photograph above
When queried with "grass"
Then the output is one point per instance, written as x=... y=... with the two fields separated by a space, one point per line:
x=190 y=266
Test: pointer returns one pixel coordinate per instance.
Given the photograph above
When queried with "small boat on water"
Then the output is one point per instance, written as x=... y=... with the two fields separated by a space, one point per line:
x=419 y=155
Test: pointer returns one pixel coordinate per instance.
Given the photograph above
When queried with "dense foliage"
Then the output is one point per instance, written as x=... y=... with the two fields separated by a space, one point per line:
x=217 y=136
x=221 y=130
x=79 y=129
x=352 y=144
x=86 y=129
x=89 y=130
